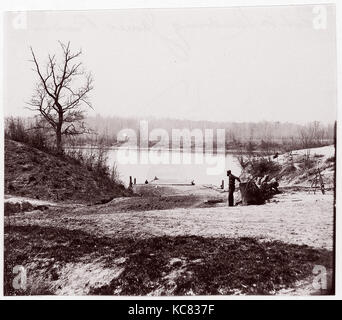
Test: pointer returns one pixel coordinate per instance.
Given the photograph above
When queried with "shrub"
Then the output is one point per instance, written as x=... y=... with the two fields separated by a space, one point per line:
x=307 y=163
x=243 y=163
x=15 y=130
x=262 y=166
x=331 y=159
x=34 y=134
x=94 y=159
x=288 y=169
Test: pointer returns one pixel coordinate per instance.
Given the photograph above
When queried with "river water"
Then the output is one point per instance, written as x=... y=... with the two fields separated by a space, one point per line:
x=172 y=166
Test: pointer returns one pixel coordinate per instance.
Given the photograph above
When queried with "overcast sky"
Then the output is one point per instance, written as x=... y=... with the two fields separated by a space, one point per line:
x=234 y=64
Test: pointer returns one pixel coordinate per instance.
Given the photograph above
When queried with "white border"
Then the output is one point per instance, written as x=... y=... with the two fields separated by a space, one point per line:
x=23 y=5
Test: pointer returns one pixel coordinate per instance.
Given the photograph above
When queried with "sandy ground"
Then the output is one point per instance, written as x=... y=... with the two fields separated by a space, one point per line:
x=322 y=159
x=292 y=217
x=17 y=199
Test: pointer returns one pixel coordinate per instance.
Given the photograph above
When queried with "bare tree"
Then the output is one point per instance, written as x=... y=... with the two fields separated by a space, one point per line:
x=61 y=94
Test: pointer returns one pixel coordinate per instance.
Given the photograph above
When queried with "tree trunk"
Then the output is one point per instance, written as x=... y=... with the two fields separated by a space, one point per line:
x=59 y=139
x=59 y=144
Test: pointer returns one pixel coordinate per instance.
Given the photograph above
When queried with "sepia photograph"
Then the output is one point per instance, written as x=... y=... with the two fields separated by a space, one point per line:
x=171 y=152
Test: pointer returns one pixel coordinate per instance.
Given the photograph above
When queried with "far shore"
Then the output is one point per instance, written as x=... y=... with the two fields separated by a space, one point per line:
x=192 y=150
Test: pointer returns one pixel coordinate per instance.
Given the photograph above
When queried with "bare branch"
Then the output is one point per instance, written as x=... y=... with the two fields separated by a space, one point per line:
x=57 y=98
x=43 y=80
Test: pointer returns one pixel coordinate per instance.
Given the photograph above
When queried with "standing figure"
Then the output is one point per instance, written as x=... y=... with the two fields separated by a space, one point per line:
x=231 y=184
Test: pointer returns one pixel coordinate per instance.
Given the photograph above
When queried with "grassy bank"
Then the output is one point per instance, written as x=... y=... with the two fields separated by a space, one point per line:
x=37 y=174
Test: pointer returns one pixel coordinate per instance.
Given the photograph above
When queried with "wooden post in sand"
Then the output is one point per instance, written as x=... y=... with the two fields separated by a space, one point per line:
x=135 y=180
x=130 y=182
x=222 y=184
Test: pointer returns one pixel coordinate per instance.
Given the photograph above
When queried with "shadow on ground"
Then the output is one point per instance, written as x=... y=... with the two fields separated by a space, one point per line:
x=161 y=265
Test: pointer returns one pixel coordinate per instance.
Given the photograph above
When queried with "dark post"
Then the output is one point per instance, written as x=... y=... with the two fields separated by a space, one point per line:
x=130 y=182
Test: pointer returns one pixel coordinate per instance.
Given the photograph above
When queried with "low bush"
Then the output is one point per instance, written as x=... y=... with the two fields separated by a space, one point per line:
x=330 y=159
x=307 y=164
x=262 y=166
x=95 y=159
x=34 y=133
